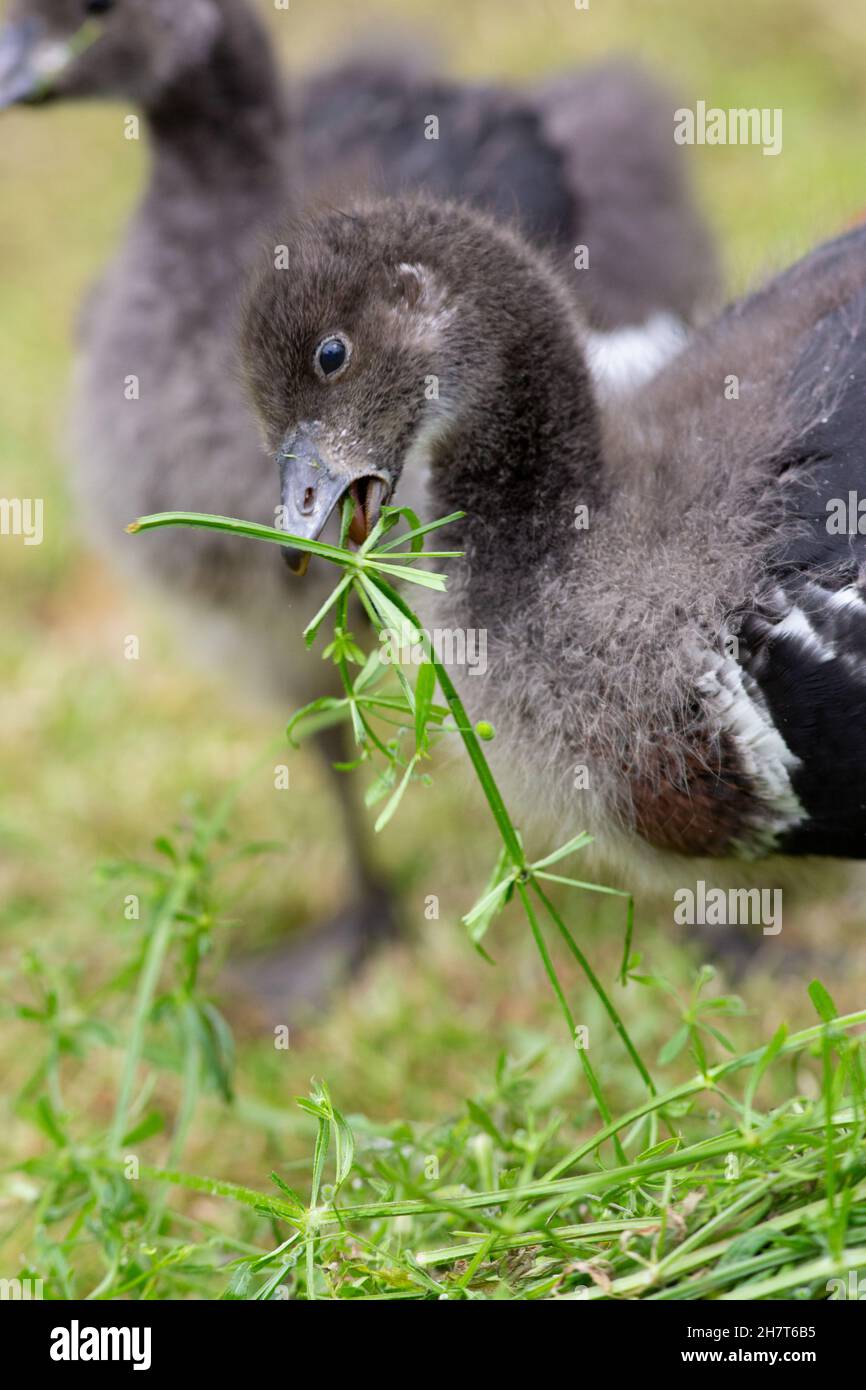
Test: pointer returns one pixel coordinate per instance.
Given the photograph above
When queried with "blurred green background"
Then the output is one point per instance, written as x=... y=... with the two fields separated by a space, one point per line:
x=98 y=752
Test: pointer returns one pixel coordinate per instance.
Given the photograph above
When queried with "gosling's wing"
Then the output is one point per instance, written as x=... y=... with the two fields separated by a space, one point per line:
x=806 y=649
x=372 y=119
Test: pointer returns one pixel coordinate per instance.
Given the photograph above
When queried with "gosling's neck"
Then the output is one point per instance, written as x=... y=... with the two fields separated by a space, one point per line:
x=223 y=129
x=525 y=465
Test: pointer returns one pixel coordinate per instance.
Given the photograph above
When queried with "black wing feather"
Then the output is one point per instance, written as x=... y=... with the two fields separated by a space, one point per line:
x=813 y=675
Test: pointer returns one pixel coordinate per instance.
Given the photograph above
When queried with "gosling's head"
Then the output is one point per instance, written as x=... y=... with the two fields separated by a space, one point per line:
x=134 y=49
x=405 y=336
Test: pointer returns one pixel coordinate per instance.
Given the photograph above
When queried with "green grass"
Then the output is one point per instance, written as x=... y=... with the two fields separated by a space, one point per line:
x=667 y=1200
x=433 y=1054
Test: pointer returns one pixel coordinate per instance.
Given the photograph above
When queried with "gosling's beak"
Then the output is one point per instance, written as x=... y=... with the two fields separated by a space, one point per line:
x=30 y=60
x=311 y=485
x=19 y=77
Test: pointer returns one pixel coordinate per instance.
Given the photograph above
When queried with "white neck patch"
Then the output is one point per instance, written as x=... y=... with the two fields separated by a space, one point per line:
x=624 y=359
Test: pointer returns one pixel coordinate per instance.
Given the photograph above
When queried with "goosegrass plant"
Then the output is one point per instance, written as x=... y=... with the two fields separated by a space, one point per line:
x=367 y=573
x=704 y=1188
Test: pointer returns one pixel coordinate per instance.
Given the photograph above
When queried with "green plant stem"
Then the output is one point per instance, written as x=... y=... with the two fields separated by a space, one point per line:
x=559 y=1189
x=703 y=1082
x=237 y=527
x=604 y=1109
x=160 y=939
x=828 y=1267
x=470 y=741
x=596 y=985
x=512 y=844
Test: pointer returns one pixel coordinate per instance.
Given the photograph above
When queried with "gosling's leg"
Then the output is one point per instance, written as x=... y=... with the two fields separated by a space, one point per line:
x=296 y=979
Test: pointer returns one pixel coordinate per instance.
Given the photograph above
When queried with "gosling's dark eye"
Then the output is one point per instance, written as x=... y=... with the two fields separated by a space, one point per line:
x=98 y=6
x=332 y=355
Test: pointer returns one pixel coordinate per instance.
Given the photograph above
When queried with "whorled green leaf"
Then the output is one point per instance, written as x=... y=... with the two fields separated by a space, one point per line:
x=570 y=847
x=396 y=797
x=312 y=628
x=418 y=531
x=425 y=689
x=674 y=1045
x=498 y=891
x=771 y=1051
x=324 y=704
x=824 y=1006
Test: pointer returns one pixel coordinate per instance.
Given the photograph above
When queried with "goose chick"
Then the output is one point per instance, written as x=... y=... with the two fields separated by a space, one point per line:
x=666 y=610
x=160 y=421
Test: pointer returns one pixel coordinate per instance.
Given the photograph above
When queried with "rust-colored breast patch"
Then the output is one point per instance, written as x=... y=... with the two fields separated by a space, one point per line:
x=708 y=803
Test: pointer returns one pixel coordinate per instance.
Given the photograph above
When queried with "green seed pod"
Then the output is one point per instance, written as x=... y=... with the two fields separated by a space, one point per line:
x=485 y=730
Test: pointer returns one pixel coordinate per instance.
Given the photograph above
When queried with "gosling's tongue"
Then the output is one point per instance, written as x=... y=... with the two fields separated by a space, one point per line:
x=368 y=495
